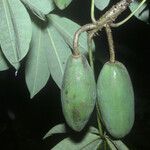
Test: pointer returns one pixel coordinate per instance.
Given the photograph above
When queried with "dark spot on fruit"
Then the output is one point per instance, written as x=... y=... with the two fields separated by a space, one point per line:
x=84 y=62
x=74 y=96
x=76 y=115
x=88 y=84
x=66 y=92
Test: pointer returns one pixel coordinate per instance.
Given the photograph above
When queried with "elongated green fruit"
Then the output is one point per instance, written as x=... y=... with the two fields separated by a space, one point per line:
x=116 y=99
x=78 y=93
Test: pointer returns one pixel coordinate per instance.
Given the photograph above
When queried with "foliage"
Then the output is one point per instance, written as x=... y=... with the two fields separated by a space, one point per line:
x=17 y=38
x=49 y=47
x=101 y=4
x=46 y=40
x=90 y=141
x=143 y=13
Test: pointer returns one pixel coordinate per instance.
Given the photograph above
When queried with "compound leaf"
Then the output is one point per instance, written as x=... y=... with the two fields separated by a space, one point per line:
x=116 y=144
x=101 y=4
x=143 y=13
x=120 y=145
x=89 y=142
x=61 y=128
x=67 y=29
x=58 y=129
x=15 y=29
x=39 y=8
x=62 y=4
x=3 y=63
x=57 y=54
x=37 y=71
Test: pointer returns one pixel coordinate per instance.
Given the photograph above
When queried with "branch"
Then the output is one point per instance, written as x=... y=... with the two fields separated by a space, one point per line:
x=107 y=19
x=112 y=14
x=126 y=19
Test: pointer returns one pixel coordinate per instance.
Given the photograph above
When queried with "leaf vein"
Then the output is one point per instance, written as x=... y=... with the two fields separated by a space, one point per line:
x=55 y=50
x=37 y=61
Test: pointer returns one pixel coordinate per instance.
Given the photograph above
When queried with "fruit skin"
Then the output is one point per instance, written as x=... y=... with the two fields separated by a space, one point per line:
x=78 y=93
x=116 y=99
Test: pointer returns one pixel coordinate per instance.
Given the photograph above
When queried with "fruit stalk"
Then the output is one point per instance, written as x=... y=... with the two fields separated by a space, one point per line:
x=111 y=43
x=84 y=28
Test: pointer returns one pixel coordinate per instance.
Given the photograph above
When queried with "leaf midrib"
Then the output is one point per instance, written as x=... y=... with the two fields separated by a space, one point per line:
x=8 y=24
x=55 y=50
x=34 y=7
x=89 y=143
x=34 y=10
x=37 y=62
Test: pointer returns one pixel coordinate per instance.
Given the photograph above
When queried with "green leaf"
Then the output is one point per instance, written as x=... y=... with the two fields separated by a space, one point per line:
x=120 y=145
x=103 y=146
x=37 y=70
x=61 y=128
x=67 y=29
x=15 y=29
x=58 y=129
x=62 y=4
x=101 y=4
x=89 y=142
x=3 y=63
x=93 y=130
x=143 y=13
x=93 y=145
x=57 y=54
x=111 y=144
x=39 y=8
x=116 y=144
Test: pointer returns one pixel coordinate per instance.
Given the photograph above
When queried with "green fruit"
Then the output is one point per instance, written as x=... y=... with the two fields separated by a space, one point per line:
x=116 y=99
x=78 y=93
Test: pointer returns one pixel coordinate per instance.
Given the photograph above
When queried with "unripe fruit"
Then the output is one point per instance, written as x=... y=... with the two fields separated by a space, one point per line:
x=116 y=99
x=78 y=93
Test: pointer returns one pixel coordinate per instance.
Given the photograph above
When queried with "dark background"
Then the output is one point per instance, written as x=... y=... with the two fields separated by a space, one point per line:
x=23 y=122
